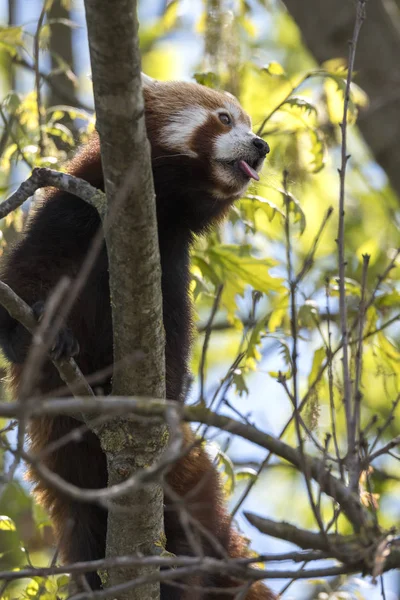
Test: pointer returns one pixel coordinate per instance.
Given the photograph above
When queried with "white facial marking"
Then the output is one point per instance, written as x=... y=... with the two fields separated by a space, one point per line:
x=229 y=146
x=176 y=135
x=234 y=110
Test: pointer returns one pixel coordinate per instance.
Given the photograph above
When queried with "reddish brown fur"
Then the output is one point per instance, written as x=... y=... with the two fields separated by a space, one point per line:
x=55 y=243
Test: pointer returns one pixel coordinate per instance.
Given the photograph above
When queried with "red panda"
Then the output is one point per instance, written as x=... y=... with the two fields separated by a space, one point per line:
x=204 y=155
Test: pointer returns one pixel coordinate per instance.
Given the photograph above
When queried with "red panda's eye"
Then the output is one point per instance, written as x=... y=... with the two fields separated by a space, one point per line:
x=225 y=119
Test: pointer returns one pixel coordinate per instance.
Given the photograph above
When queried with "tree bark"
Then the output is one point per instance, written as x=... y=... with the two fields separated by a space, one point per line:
x=327 y=28
x=135 y=281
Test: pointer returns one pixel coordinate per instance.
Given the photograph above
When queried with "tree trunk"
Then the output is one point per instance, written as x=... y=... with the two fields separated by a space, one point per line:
x=135 y=280
x=326 y=28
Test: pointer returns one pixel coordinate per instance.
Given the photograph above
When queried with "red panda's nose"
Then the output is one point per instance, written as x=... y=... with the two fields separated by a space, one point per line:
x=261 y=146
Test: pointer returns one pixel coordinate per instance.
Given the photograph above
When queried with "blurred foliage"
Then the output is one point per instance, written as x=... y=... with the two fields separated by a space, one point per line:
x=253 y=50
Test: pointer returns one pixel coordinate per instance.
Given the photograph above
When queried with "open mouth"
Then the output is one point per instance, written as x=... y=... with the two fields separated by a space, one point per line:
x=248 y=168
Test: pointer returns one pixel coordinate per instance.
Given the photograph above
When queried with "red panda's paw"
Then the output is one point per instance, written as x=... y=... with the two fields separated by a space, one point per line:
x=65 y=345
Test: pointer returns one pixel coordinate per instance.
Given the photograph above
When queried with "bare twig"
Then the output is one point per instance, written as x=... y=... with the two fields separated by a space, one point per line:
x=49 y=79
x=349 y=549
x=382 y=277
x=36 y=354
x=330 y=385
x=386 y=424
x=355 y=422
x=385 y=449
x=36 y=53
x=156 y=408
x=21 y=312
x=309 y=259
x=207 y=336
x=292 y=282
x=360 y=16
x=294 y=89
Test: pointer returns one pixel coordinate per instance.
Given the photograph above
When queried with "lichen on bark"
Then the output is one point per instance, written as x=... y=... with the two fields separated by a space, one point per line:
x=135 y=281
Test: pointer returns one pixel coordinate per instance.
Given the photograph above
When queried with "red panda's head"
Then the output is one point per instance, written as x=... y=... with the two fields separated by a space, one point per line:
x=204 y=135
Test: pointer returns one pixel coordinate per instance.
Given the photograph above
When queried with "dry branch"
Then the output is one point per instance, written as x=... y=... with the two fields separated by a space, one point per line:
x=144 y=407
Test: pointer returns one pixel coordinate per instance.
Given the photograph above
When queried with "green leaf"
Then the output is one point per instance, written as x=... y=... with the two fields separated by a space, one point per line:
x=308 y=314
x=352 y=287
x=229 y=473
x=285 y=353
x=234 y=267
x=302 y=103
x=63 y=582
x=279 y=375
x=246 y=474
x=12 y=102
x=388 y=348
x=319 y=357
x=208 y=79
x=274 y=69
x=252 y=271
x=287 y=359
x=317 y=150
x=40 y=516
x=279 y=311
x=7 y=524
x=59 y=130
x=296 y=209
x=12 y=50
x=74 y=113
x=390 y=299
x=270 y=208
x=44 y=37
x=170 y=16
x=12 y=36
x=239 y=382
x=255 y=340
x=62 y=21
x=206 y=269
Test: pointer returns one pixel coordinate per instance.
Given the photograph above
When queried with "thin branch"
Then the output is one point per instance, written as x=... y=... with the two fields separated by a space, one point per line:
x=59 y=90
x=67 y=369
x=37 y=352
x=157 y=408
x=386 y=424
x=42 y=177
x=360 y=16
x=355 y=423
x=309 y=259
x=352 y=550
x=136 y=481
x=292 y=282
x=208 y=331
x=385 y=449
x=8 y=132
x=330 y=385
x=382 y=277
x=294 y=89
x=36 y=53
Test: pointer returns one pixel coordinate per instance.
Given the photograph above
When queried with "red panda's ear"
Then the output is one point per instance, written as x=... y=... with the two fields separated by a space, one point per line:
x=147 y=81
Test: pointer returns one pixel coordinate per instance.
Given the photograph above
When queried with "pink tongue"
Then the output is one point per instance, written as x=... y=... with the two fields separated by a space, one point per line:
x=247 y=170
